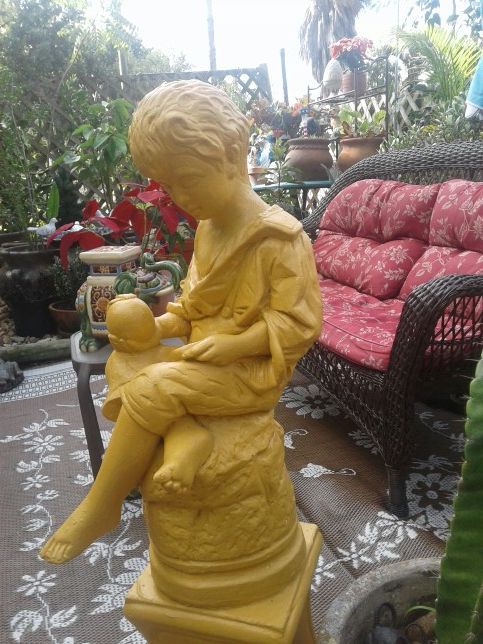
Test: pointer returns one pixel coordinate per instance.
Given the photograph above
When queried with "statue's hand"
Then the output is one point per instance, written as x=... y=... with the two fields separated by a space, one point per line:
x=133 y=346
x=219 y=349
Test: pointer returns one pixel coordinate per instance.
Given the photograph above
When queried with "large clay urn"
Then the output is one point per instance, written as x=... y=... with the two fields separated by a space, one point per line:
x=353 y=150
x=311 y=157
x=26 y=284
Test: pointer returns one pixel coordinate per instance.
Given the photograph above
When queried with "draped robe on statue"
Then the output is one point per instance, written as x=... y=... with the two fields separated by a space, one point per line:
x=266 y=273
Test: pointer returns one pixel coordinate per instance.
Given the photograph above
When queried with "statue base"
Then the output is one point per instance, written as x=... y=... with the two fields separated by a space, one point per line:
x=283 y=618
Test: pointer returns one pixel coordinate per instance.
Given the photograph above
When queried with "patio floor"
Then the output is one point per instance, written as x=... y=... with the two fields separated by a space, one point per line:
x=338 y=478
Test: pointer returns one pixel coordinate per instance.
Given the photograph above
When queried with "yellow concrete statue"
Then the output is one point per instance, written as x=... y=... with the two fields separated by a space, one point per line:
x=194 y=426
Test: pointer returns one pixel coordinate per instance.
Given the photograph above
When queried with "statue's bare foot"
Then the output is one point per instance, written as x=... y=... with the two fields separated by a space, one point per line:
x=176 y=477
x=82 y=528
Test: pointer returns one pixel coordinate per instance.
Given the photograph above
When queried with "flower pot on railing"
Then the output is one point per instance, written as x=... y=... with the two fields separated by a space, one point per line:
x=310 y=157
x=354 y=149
x=354 y=81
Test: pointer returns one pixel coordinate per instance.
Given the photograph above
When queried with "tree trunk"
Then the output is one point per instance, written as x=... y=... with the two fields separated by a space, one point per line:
x=211 y=34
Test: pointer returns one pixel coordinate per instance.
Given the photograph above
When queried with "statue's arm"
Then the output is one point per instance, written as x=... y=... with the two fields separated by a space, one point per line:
x=222 y=349
x=171 y=325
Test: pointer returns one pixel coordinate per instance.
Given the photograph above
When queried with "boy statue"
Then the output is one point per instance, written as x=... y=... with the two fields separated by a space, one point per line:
x=194 y=425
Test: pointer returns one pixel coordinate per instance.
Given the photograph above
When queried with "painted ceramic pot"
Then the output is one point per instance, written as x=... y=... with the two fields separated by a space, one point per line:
x=354 y=149
x=105 y=264
x=311 y=157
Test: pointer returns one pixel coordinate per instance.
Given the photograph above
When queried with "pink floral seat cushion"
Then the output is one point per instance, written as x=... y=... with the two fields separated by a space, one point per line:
x=438 y=261
x=455 y=236
x=372 y=233
x=378 y=241
x=358 y=326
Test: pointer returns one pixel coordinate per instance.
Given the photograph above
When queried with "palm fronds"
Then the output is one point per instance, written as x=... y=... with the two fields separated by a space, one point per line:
x=448 y=60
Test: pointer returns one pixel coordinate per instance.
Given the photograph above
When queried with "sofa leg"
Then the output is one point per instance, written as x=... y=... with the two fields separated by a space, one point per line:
x=398 y=503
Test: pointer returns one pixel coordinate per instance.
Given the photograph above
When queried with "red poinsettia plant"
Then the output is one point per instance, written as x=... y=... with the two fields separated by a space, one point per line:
x=158 y=224
x=350 y=52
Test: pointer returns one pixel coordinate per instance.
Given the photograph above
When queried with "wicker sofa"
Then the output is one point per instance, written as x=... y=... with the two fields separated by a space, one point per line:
x=439 y=322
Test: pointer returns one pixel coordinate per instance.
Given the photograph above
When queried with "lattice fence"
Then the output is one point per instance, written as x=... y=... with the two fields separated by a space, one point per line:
x=252 y=83
x=49 y=134
x=400 y=107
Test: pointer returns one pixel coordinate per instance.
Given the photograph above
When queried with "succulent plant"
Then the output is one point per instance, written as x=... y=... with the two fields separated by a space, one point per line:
x=459 y=604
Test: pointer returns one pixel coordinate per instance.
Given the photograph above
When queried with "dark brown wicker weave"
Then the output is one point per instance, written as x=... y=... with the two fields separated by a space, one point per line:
x=382 y=403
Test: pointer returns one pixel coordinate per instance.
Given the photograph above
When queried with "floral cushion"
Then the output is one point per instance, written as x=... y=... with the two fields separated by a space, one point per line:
x=378 y=269
x=380 y=239
x=382 y=210
x=359 y=327
x=457 y=219
x=438 y=261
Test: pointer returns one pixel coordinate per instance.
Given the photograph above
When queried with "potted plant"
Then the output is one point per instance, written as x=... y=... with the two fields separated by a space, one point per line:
x=360 y=137
x=459 y=596
x=26 y=284
x=269 y=122
x=100 y=159
x=66 y=284
x=309 y=153
x=164 y=233
x=351 y=52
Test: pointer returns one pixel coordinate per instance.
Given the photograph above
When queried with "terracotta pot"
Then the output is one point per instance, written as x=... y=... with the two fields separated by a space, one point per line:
x=66 y=320
x=354 y=81
x=161 y=299
x=353 y=150
x=311 y=157
x=26 y=285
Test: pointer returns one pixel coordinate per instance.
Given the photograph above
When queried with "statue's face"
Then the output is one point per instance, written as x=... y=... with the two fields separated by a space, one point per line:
x=202 y=190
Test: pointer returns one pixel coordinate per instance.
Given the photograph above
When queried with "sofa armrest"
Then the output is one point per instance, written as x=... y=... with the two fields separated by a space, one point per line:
x=456 y=296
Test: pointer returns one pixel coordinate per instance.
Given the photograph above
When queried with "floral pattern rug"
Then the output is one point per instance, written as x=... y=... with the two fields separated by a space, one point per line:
x=338 y=478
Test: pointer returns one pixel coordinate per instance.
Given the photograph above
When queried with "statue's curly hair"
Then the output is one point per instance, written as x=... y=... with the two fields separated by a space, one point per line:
x=187 y=119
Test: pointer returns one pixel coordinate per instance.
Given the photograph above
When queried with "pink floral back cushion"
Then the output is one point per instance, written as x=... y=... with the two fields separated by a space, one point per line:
x=457 y=219
x=438 y=261
x=377 y=269
x=382 y=210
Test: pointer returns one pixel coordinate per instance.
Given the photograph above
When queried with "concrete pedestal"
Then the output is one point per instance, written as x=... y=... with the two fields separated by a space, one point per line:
x=283 y=618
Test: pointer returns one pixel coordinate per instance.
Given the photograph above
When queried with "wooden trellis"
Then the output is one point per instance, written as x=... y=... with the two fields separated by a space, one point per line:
x=44 y=144
x=252 y=83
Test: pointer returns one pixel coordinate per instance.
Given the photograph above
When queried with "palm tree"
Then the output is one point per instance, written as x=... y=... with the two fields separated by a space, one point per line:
x=211 y=34
x=326 y=21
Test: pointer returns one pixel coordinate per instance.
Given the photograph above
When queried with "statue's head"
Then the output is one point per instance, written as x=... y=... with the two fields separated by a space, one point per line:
x=188 y=123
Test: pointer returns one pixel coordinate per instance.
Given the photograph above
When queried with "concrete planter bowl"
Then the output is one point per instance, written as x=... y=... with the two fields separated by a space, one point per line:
x=350 y=617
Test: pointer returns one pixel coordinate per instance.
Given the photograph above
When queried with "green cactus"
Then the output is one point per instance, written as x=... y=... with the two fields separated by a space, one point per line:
x=460 y=596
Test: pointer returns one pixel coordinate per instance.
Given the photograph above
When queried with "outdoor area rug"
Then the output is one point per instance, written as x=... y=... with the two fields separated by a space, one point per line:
x=339 y=482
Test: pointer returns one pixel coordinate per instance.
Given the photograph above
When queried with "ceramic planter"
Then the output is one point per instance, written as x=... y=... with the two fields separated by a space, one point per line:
x=105 y=263
x=311 y=157
x=26 y=285
x=405 y=584
x=354 y=149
